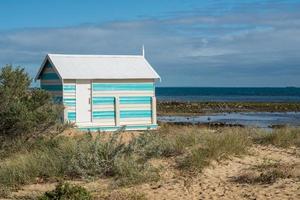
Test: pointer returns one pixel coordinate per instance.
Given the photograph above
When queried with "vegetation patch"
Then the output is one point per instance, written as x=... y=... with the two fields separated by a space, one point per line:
x=155 y=144
x=77 y=157
x=214 y=146
x=267 y=172
x=283 y=137
x=66 y=191
x=48 y=160
x=24 y=112
x=130 y=172
x=123 y=195
x=128 y=163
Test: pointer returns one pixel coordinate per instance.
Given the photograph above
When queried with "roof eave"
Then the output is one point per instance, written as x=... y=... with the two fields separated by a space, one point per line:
x=37 y=77
x=153 y=70
x=116 y=78
x=47 y=58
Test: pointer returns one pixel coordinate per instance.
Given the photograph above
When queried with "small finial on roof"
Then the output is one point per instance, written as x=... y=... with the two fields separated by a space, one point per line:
x=143 y=51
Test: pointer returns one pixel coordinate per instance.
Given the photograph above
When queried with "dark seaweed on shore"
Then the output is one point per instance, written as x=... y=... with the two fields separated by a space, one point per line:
x=217 y=107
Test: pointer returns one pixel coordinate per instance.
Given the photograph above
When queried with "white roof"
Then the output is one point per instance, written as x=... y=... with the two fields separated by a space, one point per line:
x=100 y=67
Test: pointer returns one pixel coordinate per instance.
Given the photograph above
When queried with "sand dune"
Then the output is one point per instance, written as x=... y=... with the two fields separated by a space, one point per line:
x=215 y=182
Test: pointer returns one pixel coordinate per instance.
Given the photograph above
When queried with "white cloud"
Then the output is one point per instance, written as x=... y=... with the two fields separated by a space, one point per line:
x=177 y=47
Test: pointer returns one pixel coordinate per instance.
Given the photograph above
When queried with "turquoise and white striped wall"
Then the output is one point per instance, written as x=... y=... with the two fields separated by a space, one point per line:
x=114 y=103
x=133 y=100
x=135 y=110
x=103 y=110
x=69 y=99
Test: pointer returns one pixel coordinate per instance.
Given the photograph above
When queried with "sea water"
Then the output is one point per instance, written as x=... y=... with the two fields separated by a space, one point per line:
x=228 y=94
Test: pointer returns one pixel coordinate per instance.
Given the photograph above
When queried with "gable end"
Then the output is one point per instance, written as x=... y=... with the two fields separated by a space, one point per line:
x=46 y=65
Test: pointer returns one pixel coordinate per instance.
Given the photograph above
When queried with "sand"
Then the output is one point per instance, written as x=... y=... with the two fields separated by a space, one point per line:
x=215 y=181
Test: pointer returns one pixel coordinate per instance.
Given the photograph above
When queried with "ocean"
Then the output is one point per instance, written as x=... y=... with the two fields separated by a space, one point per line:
x=228 y=94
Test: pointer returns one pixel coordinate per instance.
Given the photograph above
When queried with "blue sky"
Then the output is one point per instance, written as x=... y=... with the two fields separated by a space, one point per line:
x=190 y=43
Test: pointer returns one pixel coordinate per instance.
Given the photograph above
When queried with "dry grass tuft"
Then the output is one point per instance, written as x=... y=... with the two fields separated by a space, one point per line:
x=267 y=172
x=123 y=195
x=214 y=146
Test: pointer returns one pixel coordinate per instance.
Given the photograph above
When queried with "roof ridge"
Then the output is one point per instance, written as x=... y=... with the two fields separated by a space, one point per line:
x=89 y=55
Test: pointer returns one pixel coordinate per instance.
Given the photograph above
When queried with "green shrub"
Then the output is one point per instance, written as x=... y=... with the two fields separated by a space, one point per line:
x=96 y=156
x=100 y=157
x=66 y=191
x=23 y=110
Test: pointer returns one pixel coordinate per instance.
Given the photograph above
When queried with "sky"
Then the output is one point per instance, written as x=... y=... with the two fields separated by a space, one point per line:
x=205 y=43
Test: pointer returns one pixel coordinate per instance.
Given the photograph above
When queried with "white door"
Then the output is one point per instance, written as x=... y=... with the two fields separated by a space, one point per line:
x=83 y=101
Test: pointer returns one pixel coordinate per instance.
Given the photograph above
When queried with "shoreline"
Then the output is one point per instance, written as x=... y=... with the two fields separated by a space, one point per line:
x=229 y=114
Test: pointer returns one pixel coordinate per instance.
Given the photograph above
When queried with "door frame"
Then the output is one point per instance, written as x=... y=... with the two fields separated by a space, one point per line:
x=90 y=100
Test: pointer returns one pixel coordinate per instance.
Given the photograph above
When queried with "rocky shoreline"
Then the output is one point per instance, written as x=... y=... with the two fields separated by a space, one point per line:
x=202 y=125
x=217 y=125
x=201 y=108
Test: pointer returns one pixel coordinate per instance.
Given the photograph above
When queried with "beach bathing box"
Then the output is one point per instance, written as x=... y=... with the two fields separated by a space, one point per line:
x=102 y=92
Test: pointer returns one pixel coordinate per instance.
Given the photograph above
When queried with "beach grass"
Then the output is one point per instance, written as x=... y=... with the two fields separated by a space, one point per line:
x=217 y=146
x=283 y=137
x=80 y=157
x=128 y=163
